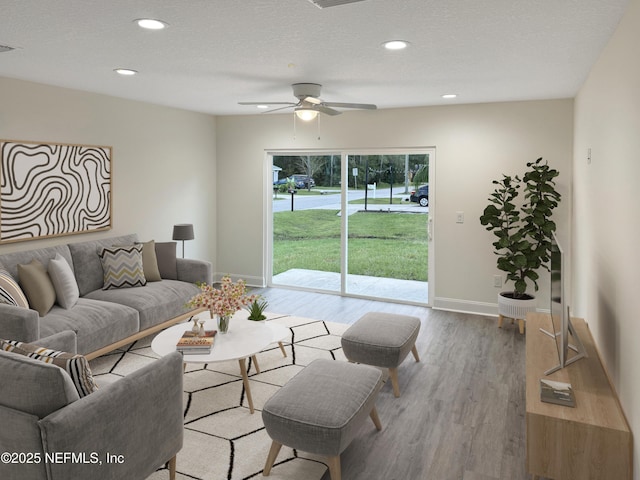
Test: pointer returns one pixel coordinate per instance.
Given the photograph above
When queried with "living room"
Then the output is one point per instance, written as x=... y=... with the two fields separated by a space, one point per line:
x=176 y=166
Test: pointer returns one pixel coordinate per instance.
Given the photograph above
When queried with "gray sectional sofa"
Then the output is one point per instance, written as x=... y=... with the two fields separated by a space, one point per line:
x=103 y=320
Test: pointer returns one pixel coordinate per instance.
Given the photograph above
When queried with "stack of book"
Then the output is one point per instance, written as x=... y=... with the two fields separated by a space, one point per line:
x=192 y=343
x=559 y=393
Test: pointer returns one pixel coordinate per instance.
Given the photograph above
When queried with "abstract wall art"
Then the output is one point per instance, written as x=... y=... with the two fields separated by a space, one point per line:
x=53 y=189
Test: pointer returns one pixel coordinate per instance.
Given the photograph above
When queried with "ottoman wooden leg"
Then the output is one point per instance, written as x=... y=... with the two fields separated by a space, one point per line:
x=500 y=320
x=393 y=373
x=334 y=467
x=376 y=419
x=521 y=326
x=271 y=458
x=172 y=468
x=284 y=352
x=414 y=350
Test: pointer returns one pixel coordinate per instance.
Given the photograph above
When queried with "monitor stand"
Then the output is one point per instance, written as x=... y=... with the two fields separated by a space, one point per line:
x=578 y=348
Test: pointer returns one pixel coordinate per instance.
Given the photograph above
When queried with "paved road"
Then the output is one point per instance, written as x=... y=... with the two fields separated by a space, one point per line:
x=331 y=201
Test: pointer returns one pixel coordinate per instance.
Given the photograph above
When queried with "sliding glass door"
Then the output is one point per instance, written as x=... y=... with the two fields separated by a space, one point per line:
x=353 y=223
x=306 y=221
x=387 y=244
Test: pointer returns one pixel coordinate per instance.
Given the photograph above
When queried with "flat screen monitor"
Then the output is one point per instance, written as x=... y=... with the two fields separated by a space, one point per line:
x=557 y=297
x=560 y=314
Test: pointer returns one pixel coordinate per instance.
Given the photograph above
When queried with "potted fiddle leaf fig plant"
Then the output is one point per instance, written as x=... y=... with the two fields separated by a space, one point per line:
x=524 y=231
x=256 y=309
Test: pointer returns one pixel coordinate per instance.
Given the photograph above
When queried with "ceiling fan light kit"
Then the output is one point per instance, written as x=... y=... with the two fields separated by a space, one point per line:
x=306 y=114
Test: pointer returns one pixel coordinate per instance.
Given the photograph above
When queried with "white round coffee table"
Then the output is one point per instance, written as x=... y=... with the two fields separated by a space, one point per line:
x=244 y=339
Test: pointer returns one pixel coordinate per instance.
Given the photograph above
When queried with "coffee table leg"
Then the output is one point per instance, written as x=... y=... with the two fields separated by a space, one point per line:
x=255 y=363
x=245 y=381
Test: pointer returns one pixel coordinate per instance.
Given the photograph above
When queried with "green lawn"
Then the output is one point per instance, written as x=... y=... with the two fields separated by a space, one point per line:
x=390 y=245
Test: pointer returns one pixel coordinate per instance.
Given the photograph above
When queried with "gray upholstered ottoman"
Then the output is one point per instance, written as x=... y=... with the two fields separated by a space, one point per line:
x=320 y=410
x=383 y=340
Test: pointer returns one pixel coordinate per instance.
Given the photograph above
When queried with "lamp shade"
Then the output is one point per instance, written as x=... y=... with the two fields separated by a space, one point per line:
x=183 y=231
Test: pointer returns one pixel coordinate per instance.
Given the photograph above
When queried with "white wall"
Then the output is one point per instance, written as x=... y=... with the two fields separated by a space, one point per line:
x=474 y=144
x=163 y=158
x=607 y=205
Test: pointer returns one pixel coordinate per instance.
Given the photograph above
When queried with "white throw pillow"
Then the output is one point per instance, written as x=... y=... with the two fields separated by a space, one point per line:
x=64 y=282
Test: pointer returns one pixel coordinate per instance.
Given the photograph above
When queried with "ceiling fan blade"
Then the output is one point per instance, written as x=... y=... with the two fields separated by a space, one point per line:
x=363 y=106
x=312 y=100
x=292 y=105
x=327 y=110
x=266 y=103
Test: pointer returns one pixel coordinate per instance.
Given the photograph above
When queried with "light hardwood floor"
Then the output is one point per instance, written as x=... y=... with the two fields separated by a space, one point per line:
x=461 y=415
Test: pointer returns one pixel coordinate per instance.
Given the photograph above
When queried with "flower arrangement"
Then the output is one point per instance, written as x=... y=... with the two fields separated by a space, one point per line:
x=226 y=300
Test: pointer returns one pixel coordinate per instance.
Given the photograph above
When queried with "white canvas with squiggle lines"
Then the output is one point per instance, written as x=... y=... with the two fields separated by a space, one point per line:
x=51 y=189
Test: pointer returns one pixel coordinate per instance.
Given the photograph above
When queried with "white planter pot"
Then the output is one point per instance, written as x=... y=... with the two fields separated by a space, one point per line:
x=515 y=308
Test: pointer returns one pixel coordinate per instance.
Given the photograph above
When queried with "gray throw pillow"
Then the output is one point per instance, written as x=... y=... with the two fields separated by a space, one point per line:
x=167 y=263
x=64 y=282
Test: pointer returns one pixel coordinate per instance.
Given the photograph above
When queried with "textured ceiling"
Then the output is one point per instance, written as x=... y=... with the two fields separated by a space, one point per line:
x=218 y=52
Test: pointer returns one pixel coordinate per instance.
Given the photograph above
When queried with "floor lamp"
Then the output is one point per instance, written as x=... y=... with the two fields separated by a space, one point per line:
x=183 y=231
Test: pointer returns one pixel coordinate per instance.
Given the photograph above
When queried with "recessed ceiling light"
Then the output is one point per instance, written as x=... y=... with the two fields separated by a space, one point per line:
x=125 y=71
x=395 y=44
x=263 y=107
x=151 y=24
x=449 y=95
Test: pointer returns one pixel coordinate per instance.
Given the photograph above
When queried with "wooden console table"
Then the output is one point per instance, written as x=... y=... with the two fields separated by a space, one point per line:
x=591 y=441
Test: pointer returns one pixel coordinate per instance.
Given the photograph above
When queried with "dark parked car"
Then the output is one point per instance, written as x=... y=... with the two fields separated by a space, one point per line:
x=421 y=196
x=301 y=181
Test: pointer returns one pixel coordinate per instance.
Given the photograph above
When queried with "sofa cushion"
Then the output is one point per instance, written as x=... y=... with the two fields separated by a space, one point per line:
x=86 y=263
x=167 y=263
x=64 y=282
x=76 y=366
x=32 y=386
x=37 y=285
x=122 y=267
x=155 y=303
x=97 y=324
x=10 y=291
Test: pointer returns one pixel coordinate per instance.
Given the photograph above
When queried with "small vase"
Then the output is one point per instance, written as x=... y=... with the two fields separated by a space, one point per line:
x=195 y=329
x=223 y=323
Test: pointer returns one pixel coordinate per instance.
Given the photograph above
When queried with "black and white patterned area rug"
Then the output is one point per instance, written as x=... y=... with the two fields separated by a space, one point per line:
x=222 y=440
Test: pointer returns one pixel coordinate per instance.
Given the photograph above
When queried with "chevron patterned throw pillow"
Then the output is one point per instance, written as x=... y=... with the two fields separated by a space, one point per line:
x=122 y=267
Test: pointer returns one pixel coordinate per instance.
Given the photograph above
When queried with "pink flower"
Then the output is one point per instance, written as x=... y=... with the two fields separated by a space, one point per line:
x=226 y=300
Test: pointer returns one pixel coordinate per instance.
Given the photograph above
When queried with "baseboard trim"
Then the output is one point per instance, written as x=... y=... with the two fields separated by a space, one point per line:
x=252 y=281
x=471 y=307
x=465 y=306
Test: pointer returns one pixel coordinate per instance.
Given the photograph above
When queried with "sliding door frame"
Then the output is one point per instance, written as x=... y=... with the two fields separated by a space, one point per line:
x=344 y=155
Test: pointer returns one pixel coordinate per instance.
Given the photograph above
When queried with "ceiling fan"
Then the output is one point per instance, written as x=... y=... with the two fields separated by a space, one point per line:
x=310 y=104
